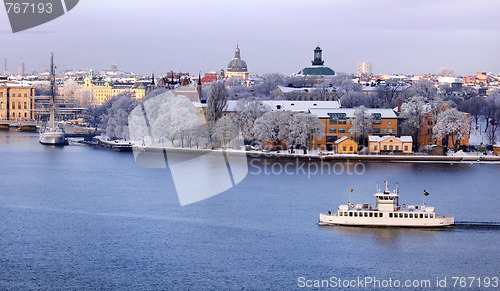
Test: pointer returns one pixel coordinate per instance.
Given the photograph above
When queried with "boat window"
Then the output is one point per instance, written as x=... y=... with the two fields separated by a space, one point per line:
x=421 y=215
x=340 y=213
x=390 y=215
x=345 y=213
x=432 y=215
x=366 y=214
x=406 y=215
x=371 y=214
x=426 y=215
x=411 y=215
x=401 y=215
x=381 y=215
x=376 y=214
x=350 y=213
x=355 y=214
x=416 y=215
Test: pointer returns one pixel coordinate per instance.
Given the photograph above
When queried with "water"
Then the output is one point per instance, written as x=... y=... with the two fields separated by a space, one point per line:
x=79 y=217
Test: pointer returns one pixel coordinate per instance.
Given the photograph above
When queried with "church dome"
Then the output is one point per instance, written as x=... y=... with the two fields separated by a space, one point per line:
x=317 y=68
x=237 y=64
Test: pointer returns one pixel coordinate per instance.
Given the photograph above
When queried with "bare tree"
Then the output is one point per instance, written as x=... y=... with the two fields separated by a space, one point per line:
x=247 y=111
x=272 y=127
x=225 y=131
x=412 y=113
x=390 y=92
x=303 y=128
x=216 y=104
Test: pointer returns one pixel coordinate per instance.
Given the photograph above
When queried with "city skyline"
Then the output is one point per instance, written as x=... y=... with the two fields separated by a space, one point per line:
x=396 y=37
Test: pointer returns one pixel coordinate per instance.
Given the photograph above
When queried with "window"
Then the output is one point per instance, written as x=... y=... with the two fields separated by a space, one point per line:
x=13 y=105
x=421 y=215
x=401 y=215
x=331 y=138
x=19 y=114
x=375 y=148
x=411 y=215
x=25 y=95
x=388 y=122
x=1 y=94
x=340 y=214
x=431 y=215
x=377 y=118
x=371 y=214
x=351 y=148
x=350 y=213
x=376 y=214
x=344 y=148
x=345 y=213
x=1 y=105
x=25 y=114
x=384 y=130
x=25 y=105
x=385 y=147
x=406 y=215
x=390 y=148
x=376 y=130
x=366 y=214
x=426 y=215
x=355 y=214
x=390 y=215
x=391 y=130
x=333 y=120
x=342 y=120
x=341 y=130
x=333 y=130
x=396 y=148
x=381 y=215
x=406 y=147
x=18 y=105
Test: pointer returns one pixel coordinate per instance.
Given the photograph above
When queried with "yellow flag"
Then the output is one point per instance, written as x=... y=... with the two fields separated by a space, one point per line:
x=350 y=189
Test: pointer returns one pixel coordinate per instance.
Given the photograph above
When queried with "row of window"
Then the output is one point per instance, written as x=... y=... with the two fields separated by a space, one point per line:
x=374 y=130
x=390 y=148
x=14 y=105
x=19 y=115
x=14 y=94
x=380 y=214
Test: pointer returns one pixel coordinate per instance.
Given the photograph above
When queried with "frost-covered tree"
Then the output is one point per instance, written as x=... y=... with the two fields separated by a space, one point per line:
x=216 y=103
x=268 y=85
x=361 y=124
x=115 y=120
x=247 y=111
x=425 y=89
x=451 y=124
x=491 y=112
x=225 y=131
x=474 y=106
x=355 y=99
x=390 y=92
x=412 y=114
x=272 y=127
x=70 y=87
x=84 y=97
x=303 y=127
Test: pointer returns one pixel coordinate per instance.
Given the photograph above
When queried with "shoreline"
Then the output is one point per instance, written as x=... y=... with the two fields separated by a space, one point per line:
x=340 y=157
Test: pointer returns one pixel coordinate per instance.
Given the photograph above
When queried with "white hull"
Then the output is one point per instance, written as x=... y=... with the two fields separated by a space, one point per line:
x=52 y=138
x=334 y=219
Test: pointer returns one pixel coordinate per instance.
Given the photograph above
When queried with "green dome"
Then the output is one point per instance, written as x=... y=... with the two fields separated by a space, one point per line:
x=317 y=71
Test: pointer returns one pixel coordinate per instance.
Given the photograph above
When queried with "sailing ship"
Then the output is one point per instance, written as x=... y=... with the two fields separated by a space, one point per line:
x=52 y=134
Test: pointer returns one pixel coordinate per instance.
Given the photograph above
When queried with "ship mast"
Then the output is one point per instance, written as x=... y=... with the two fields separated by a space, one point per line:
x=52 y=92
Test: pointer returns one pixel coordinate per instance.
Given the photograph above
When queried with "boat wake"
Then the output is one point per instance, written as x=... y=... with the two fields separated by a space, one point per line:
x=478 y=225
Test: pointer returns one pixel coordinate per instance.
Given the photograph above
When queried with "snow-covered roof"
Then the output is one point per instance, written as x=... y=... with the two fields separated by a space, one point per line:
x=341 y=139
x=300 y=106
x=349 y=112
x=376 y=138
x=305 y=90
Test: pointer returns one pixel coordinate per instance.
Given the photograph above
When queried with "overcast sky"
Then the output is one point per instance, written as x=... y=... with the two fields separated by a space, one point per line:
x=410 y=37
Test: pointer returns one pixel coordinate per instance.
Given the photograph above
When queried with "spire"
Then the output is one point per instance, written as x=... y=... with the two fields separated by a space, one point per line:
x=153 y=79
x=199 y=79
x=237 y=51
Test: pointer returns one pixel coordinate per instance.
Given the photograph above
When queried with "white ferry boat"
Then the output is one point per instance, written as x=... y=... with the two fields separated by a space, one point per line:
x=387 y=212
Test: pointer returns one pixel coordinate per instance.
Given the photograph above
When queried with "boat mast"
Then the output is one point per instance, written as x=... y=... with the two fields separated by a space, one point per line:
x=52 y=92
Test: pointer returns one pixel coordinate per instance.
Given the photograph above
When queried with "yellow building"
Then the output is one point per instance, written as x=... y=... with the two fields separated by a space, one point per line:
x=105 y=90
x=338 y=124
x=390 y=144
x=496 y=149
x=345 y=145
x=16 y=101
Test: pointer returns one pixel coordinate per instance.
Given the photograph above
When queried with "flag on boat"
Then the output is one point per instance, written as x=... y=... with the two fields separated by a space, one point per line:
x=350 y=189
x=426 y=193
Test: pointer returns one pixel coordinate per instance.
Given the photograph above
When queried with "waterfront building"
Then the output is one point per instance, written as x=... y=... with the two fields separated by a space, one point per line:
x=338 y=123
x=16 y=101
x=390 y=144
x=345 y=145
x=104 y=90
x=237 y=67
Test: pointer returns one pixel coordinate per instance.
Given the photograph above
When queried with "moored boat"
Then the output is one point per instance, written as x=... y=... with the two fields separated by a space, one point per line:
x=387 y=212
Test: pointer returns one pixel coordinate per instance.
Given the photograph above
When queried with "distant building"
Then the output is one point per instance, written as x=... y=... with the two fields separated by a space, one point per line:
x=390 y=144
x=105 y=90
x=237 y=67
x=16 y=101
x=364 y=68
x=317 y=68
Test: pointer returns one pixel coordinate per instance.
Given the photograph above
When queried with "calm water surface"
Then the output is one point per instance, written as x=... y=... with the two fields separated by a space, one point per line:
x=79 y=217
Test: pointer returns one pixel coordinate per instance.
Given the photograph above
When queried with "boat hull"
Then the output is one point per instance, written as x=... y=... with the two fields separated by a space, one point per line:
x=334 y=219
x=52 y=138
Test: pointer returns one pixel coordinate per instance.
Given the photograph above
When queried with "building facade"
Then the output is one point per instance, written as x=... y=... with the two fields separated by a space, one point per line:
x=390 y=144
x=16 y=102
x=364 y=68
x=105 y=90
x=237 y=67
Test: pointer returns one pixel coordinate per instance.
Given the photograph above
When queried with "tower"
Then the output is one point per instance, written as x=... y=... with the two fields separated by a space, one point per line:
x=317 y=57
x=198 y=86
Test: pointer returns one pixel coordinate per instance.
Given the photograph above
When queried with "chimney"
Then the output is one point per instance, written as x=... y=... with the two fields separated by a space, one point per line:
x=399 y=105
